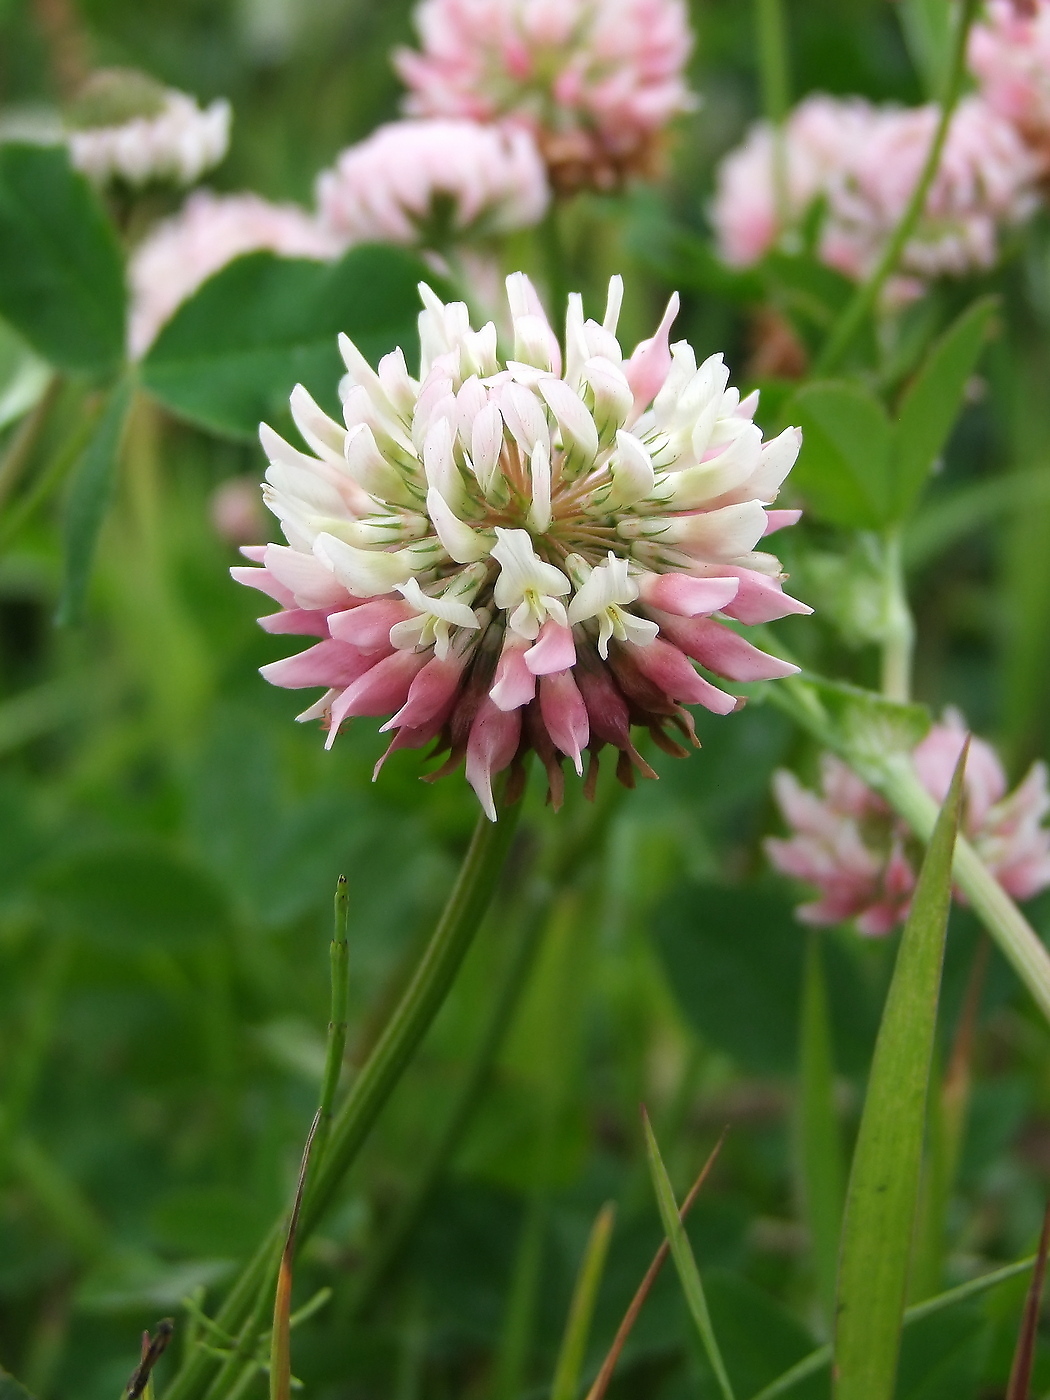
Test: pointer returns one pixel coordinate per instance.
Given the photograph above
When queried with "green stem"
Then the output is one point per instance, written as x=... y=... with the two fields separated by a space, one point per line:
x=820 y=1151
x=815 y=1362
x=339 y=960
x=867 y=294
x=512 y=984
x=899 y=636
x=25 y=438
x=379 y=1076
x=895 y=778
x=1017 y=940
x=776 y=88
x=49 y=478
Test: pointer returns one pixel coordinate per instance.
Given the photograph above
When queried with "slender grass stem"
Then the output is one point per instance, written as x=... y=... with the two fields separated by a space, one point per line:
x=243 y=1312
x=866 y=296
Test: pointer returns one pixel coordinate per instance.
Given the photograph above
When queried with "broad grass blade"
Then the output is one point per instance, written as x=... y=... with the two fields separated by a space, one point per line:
x=684 y=1262
x=581 y=1309
x=819 y=1148
x=883 y=1193
x=630 y=1317
x=1024 y=1357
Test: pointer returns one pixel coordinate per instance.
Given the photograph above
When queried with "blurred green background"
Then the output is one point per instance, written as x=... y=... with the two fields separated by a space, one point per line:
x=169 y=843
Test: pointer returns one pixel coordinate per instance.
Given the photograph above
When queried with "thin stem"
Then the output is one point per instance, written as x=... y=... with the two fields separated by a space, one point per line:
x=899 y=635
x=895 y=777
x=815 y=1362
x=776 y=88
x=244 y=1308
x=339 y=959
x=1016 y=938
x=512 y=983
x=867 y=294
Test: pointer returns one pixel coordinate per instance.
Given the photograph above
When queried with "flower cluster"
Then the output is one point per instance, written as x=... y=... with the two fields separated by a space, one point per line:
x=1009 y=54
x=428 y=182
x=529 y=552
x=596 y=81
x=847 y=843
x=861 y=164
x=208 y=232
x=125 y=127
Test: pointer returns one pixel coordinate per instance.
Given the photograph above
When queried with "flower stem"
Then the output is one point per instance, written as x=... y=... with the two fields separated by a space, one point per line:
x=244 y=1309
x=867 y=294
x=899 y=636
x=1017 y=940
x=894 y=776
x=776 y=87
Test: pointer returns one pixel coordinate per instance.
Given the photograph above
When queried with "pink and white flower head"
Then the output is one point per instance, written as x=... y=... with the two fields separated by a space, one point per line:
x=126 y=127
x=527 y=552
x=1009 y=54
x=596 y=81
x=861 y=858
x=863 y=163
x=430 y=182
x=209 y=231
x=985 y=183
x=756 y=206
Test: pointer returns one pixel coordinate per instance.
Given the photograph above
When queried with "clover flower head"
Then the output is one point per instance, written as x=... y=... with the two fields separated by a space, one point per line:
x=861 y=163
x=126 y=127
x=846 y=842
x=209 y=231
x=526 y=551
x=1009 y=54
x=596 y=81
x=429 y=182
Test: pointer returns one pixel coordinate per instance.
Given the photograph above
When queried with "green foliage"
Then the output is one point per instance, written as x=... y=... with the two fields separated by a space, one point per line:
x=169 y=838
x=860 y=470
x=883 y=1193
x=11 y=1390
x=931 y=404
x=685 y=1263
x=844 y=472
x=90 y=492
x=229 y=355
x=61 y=273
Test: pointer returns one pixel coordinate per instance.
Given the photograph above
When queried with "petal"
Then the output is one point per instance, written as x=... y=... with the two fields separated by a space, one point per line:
x=491 y=745
x=553 y=651
x=565 y=715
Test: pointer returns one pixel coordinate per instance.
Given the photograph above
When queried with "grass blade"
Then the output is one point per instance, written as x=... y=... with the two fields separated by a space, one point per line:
x=816 y=1361
x=630 y=1317
x=884 y=1183
x=1024 y=1357
x=581 y=1309
x=819 y=1148
x=281 y=1337
x=684 y=1262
